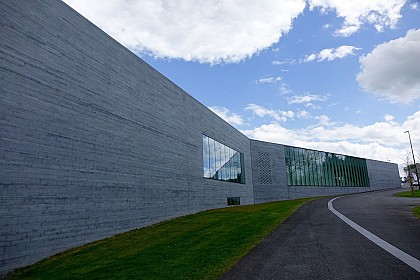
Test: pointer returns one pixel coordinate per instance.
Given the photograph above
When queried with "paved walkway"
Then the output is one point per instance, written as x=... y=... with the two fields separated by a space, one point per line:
x=315 y=244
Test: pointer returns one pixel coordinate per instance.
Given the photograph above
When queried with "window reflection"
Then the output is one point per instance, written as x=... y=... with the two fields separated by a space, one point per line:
x=314 y=168
x=221 y=162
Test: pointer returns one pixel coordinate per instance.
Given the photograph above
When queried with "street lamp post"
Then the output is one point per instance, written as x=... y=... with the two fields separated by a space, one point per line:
x=414 y=159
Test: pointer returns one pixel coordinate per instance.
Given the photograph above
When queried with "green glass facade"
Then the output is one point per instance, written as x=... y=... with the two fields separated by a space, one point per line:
x=315 y=168
x=221 y=162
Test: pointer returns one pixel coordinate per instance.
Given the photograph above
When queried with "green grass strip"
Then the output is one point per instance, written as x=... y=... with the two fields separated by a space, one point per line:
x=197 y=246
x=408 y=194
x=416 y=211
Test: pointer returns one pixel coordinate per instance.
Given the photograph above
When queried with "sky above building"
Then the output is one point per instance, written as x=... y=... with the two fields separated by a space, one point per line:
x=332 y=75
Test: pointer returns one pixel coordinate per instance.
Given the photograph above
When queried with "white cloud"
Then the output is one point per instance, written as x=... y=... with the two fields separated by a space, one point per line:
x=261 y=111
x=205 y=31
x=303 y=114
x=290 y=61
x=389 y=118
x=414 y=6
x=324 y=120
x=333 y=104
x=268 y=80
x=274 y=133
x=224 y=113
x=380 y=140
x=326 y=26
x=288 y=114
x=313 y=106
x=392 y=69
x=355 y=13
x=310 y=58
x=278 y=115
x=306 y=98
x=277 y=62
x=284 y=89
x=331 y=54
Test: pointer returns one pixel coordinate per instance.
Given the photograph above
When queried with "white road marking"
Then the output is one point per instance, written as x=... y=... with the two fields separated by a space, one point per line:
x=411 y=261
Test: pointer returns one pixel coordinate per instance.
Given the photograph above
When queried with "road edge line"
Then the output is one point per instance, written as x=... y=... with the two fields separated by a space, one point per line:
x=406 y=258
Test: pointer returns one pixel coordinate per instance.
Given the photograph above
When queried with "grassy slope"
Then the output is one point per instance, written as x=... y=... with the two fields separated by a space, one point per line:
x=408 y=194
x=198 y=246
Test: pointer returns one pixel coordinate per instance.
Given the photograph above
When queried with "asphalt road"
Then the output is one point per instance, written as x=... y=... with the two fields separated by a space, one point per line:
x=315 y=244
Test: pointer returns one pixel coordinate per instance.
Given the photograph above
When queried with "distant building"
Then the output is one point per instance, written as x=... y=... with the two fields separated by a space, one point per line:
x=95 y=142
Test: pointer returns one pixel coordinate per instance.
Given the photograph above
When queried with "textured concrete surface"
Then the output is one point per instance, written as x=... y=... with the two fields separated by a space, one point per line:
x=270 y=177
x=316 y=244
x=94 y=141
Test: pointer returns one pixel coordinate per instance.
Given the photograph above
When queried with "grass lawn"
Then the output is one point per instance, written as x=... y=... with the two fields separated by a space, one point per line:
x=408 y=194
x=198 y=246
x=416 y=211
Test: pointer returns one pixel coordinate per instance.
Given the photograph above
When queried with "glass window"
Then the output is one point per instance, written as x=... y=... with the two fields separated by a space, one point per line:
x=312 y=168
x=212 y=160
x=299 y=167
x=231 y=165
x=329 y=167
x=315 y=168
x=221 y=162
x=234 y=201
x=242 y=174
x=206 y=159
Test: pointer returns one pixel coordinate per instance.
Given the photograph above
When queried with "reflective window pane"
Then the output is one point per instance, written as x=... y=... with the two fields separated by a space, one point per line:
x=315 y=168
x=221 y=162
x=206 y=158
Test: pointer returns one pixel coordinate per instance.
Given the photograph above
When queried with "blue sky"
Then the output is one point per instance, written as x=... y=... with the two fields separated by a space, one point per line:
x=339 y=76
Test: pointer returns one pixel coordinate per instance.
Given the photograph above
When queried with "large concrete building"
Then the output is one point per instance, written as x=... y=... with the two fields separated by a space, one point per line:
x=95 y=142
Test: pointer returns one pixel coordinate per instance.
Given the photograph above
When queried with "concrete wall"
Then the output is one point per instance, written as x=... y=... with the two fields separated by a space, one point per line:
x=93 y=140
x=269 y=172
x=270 y=178
x=383 y=175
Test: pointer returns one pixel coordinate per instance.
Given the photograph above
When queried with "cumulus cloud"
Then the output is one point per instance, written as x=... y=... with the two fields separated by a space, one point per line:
x=332 y=54
x=277 y=115
x=224 y=113
x=310 y=58
x=380 y=13
x=274 y=133
x=324 y=120
x=389 y=118
x=283 y=116
x=306 y=98
x=392 y=69
x=303 y=114
x=205 y=31
x=381 y=140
